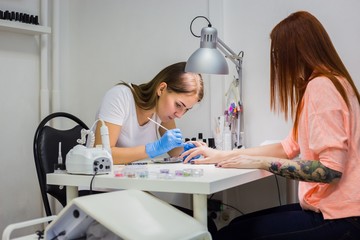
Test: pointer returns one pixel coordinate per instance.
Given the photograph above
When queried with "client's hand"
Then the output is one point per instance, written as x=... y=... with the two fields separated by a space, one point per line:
x=210 y=155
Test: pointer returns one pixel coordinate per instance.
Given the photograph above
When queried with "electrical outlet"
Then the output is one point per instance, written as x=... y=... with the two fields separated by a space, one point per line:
x=220 y=213
x=225 y=215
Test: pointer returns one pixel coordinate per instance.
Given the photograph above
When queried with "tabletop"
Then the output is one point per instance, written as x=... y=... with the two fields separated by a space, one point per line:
x=211 y=180
x=198 y=180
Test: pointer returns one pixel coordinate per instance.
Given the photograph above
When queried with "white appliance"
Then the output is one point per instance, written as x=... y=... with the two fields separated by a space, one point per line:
x=127 y=214
x=87 y=159
x=83 y=160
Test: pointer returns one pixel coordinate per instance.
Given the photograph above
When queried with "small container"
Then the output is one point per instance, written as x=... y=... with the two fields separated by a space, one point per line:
x=179 y=173
x=118 y=173
x=197 y=172
x=165 y=170
x=142 y=174
x=131 y=174
x=187 y=172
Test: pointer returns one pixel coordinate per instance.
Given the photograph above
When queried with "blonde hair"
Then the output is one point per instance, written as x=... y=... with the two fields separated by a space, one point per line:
x=177 y=81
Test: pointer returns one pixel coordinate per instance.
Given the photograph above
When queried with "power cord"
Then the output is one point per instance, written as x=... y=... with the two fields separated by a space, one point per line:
x=40 y=234
x=62 y=233
x=241 y=212
x=91 y=182
x=209 y=25
x=219 y=203
x=104 y=132
x=215 y=205
x=278 y=189
x=87 y=138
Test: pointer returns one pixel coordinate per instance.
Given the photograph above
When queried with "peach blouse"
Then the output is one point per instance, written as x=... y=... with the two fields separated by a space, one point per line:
x=329 y=132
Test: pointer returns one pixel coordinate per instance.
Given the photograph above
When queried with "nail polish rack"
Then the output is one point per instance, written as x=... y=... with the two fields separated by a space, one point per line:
x=17 y=25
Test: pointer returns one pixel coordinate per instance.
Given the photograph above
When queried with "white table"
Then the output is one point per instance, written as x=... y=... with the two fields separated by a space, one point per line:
x=213 y=180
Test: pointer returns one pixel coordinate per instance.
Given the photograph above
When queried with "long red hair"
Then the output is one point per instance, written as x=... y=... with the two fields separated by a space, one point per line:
x=301 y=50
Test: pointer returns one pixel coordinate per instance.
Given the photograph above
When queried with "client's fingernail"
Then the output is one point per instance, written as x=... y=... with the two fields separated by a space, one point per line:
x=192 y=162
x=216 y=164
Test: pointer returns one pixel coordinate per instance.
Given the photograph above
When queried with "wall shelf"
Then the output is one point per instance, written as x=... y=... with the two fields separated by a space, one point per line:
x=18 y=27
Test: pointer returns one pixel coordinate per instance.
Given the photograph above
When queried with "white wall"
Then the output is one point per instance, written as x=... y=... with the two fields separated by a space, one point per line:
x=247 y=27
x=19 y=101
x=105 y=41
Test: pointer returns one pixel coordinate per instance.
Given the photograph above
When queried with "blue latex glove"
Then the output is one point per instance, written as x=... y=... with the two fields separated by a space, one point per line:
x=188 y=146
x=171 y=139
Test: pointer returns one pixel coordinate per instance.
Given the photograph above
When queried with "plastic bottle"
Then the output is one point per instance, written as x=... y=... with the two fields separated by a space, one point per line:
x=227 y=139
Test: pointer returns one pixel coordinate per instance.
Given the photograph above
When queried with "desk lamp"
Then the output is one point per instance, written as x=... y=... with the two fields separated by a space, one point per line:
x=209 y=60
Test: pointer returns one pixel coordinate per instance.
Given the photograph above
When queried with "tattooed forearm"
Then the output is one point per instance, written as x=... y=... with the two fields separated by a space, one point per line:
x=304 y=170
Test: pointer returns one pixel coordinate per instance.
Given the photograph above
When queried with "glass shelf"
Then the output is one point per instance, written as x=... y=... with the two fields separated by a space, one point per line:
x=19 y=27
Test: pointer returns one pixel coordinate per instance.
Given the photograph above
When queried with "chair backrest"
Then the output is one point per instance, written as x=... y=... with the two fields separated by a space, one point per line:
x=46 y=151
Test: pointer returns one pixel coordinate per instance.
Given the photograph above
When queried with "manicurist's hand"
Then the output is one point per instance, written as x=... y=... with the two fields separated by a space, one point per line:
x=170 y=140
x=190 y=145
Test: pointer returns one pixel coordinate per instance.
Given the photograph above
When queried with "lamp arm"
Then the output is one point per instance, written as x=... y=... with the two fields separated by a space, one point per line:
x=228 y=53
x=237 y=60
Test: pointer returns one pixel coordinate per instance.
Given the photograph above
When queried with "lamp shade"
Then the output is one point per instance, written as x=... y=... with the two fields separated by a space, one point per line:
x=207 y=59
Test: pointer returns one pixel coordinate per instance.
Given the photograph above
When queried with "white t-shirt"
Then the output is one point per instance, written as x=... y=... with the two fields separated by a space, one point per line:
x=118 y=107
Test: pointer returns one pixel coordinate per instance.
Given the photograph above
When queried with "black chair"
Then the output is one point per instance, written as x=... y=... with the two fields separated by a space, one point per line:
x=46 y=152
